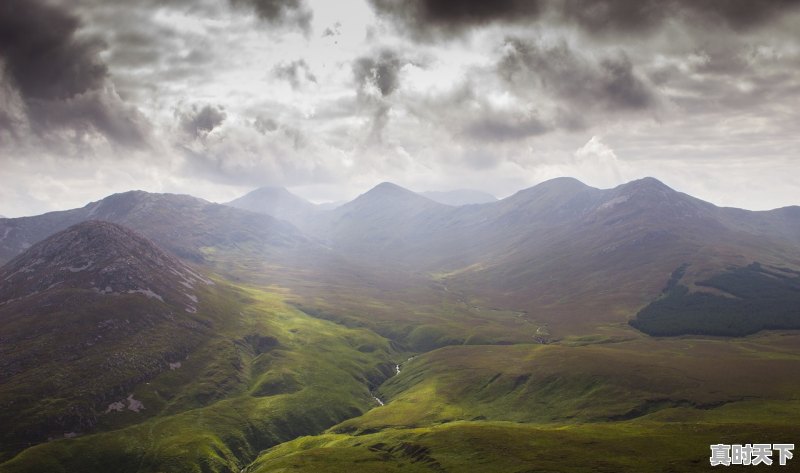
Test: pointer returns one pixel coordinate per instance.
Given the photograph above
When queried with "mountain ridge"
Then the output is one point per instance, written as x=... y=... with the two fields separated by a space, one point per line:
x=180 y=223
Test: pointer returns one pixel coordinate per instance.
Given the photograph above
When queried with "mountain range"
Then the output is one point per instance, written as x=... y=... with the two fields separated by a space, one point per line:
x=169 y=321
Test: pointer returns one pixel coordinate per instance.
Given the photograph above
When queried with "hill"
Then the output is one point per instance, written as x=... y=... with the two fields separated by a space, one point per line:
x=85 y=315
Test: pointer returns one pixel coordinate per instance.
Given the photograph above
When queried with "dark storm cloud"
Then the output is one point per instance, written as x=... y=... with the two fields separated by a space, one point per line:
x=614 y=16
x=199 y=122
x=294 y=72
x=290 y=12
x=426 y=17
x=43 y=55
x=610 y=84
x=59 y=76
x=92 y=111
x=431 y=18
x=740 y=14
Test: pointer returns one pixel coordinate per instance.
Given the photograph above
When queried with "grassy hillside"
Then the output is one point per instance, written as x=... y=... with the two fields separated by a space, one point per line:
x=640 y=405
x=488 y=447
x=270 y=374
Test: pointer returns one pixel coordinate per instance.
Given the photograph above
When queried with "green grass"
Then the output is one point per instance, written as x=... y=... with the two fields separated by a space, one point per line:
x=631 y=406
x=585 y=383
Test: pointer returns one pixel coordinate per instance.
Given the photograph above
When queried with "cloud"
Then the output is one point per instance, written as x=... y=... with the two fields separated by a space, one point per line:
x=376 y=78
x=265 y=124
x=381 y=72
x=335 y=30
x=496 y=126
x=599 y=163
x=432 y=19
x=280 y=12
x=247 y=156
x=59 y=78
x=200 y=121
x=610 y=84
x=43 y=56
x=296 y=73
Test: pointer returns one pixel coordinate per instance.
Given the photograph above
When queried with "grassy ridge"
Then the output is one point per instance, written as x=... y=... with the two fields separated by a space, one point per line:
x=634 y=446
x=639 y=405
x=587 y=383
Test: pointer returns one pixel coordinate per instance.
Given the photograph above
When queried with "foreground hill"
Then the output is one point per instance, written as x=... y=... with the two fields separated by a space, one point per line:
x=85 y=315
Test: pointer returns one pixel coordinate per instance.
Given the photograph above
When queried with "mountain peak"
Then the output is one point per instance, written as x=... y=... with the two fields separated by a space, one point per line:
x=270 y=190
x=277 y=202
x=387 y=191
x=271 y=200
x=102 y=257
x=562 y=181
x=646 y=182
x=554 y=188
x=389 y=187
x=647 y=188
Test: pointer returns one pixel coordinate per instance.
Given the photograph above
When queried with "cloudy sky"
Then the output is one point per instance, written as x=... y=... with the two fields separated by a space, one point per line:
x=329 y=98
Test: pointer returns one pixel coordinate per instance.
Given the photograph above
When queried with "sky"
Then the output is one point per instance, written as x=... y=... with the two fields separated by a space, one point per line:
x=328 y=98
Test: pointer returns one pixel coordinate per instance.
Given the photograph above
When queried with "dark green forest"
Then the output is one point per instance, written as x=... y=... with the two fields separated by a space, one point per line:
x=760 y=299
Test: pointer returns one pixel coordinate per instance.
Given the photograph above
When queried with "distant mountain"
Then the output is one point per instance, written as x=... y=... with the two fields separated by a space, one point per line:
x=591 y=253
x=460 y=197
x=85 y=315
x=387 y=217
x=277 y=202
x=575 y=255
x=185 y=225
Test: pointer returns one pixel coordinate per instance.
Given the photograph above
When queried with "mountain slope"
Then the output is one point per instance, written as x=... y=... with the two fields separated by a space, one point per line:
x=85 y=315
x=459 y=197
